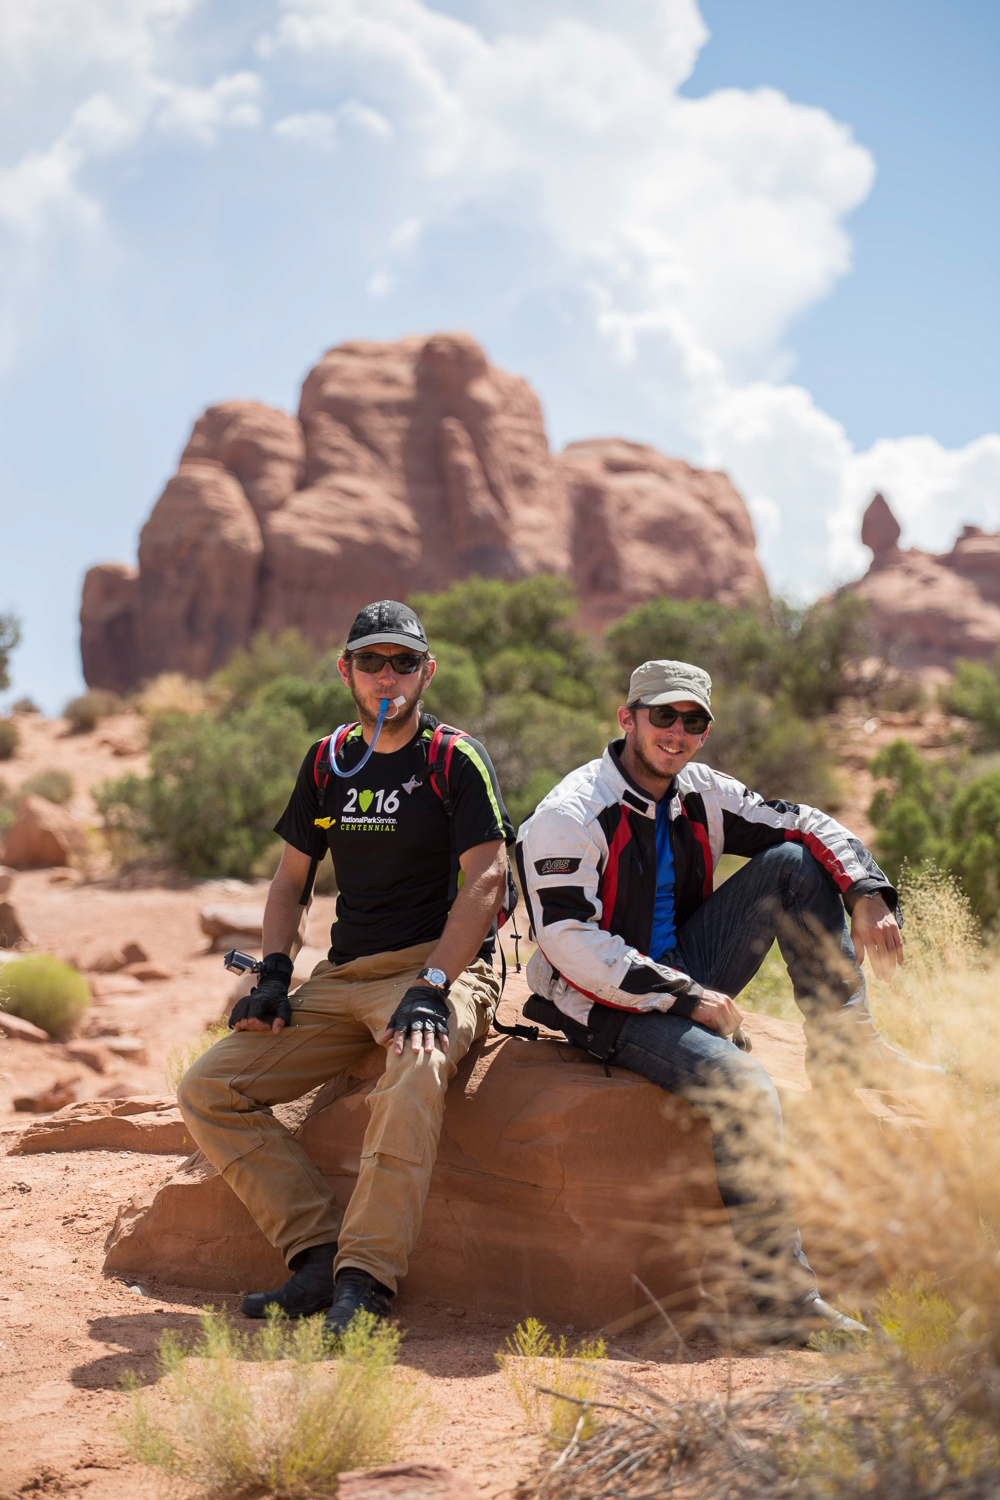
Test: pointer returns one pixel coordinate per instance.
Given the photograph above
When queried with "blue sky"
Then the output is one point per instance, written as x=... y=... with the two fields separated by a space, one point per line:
x=757 y=235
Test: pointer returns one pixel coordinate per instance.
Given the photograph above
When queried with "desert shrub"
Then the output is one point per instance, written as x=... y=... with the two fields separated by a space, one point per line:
x=267 y=657
x=532 y=1359
x=171 y=693
x=42 y=989
x=974 y=693
x=216 y=786
x=10 y=636
x=25 y=706
x=533 y=742
x=972 y=844
x=807 y=656
x=179 y=1059
x=323 y=703
x=85 y=712
x=518 y=636
x=456 y=694
x=10 y=738
x=272 y=1413
x=909 y=814
x=772 y=750
x=51 y=783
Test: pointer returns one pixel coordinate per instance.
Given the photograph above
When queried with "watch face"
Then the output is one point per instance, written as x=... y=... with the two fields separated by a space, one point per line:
x=435 y=976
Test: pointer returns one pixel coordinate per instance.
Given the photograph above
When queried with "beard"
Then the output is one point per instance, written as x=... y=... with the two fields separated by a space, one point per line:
x=370 y=719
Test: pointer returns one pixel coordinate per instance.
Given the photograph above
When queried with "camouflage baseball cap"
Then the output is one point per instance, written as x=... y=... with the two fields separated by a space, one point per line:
x=670 y=682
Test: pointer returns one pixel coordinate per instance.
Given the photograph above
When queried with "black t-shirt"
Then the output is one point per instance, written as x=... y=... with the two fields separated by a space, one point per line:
x=395 y=850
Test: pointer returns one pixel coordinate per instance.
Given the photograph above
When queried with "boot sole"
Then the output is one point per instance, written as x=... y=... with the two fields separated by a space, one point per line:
x=305 y=1312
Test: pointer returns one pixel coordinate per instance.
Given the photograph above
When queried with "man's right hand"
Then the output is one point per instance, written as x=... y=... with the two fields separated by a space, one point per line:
x=266 y=1008
x=717 y=1012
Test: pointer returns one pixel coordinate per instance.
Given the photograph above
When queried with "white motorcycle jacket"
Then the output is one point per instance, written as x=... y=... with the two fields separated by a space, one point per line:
x=587 y=864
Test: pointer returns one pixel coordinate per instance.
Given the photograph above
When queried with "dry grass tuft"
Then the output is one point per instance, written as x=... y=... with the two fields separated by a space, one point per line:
x=549 y=1381
x=179 y=1059
x=171 y=693
x=281 y=1413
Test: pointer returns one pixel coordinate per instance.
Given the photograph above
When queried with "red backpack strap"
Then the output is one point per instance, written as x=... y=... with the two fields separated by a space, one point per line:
x=326 y=751
x=439 y=753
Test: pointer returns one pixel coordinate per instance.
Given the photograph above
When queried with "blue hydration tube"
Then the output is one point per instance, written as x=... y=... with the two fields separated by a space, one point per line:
x=383 y=710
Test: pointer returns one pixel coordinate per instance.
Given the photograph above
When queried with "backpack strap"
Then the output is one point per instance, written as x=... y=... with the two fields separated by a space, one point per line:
x=328 y=749
x=439 y=753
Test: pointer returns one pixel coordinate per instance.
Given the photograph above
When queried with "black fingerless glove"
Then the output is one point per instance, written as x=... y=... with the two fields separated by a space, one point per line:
x=268 y=1000
x=421 y=1009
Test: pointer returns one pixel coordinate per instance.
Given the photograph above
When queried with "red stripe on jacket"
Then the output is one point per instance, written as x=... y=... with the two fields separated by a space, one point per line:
x=826 y=857
x=609 y=880
x=701 y=834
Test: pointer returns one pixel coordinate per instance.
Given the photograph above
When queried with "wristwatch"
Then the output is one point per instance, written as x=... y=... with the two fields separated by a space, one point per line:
x=438 y=978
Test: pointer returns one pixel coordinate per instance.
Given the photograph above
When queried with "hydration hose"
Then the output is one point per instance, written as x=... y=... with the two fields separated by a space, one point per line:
x=383 y=712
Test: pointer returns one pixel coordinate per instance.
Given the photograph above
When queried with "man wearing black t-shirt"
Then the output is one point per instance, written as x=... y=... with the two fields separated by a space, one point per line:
x=410 y=965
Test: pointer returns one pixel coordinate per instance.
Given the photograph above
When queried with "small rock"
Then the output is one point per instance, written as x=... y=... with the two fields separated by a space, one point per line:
x=43 y=834
x=134 y=953
x=405 y=1481
x=114 y=984
x=21 y=1031
x=133 y=1048
x=7 y=878
x=12 y=931
x=121 y=1088
x=138 y=1291
x=56 y=1096
x=66 y=876
x=146 y=973
x=108 y=962
x=93 y=1054
x=241 y=921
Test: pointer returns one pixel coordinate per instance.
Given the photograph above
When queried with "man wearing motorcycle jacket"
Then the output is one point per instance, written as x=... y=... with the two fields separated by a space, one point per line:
x=642 y=956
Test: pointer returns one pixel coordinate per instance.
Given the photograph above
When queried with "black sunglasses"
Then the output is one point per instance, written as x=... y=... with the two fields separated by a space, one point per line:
x=662 y=715
x=403 y=663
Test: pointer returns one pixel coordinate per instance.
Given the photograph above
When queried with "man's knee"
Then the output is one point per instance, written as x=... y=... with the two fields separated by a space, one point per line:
x=795 y=870
x=198 y=1087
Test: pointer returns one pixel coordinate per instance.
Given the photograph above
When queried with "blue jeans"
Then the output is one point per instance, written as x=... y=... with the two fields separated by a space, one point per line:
x=782 y=893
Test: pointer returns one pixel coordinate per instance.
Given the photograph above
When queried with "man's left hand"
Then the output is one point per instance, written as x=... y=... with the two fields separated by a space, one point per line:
x=422 y=1014
x=874 y=931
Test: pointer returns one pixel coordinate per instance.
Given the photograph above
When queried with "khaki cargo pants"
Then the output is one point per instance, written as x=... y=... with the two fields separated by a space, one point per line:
x=336 y=1014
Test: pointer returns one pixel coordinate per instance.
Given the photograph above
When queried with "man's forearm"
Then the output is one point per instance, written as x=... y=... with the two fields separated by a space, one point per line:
x=282 y=915
x=470 y=919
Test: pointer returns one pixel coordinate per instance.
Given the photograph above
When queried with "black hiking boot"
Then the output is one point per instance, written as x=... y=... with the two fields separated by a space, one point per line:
x=796 y=1323
x=356 y=1291
x=308 y=1291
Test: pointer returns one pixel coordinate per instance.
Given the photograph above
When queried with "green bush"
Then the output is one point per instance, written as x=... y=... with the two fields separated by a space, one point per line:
x=267 y=658
x=45 y=991
x=85 y=712
x=773 y=751
x=10 y=738
x=217 y=785
x=975 y=694
x=51 y=783
x=909 y=815
x=25 y=706
x=533 y=743
x=322 y=704
x=455 y=694
x=10 y=635
x=972 y=844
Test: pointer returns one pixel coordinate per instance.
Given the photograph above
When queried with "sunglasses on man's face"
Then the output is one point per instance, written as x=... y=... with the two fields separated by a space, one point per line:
x=662 y=715
x=403 y=663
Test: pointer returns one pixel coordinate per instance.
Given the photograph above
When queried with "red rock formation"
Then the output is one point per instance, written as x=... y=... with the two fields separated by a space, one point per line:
x=410 y=465
x=645 y=524
x=929 y=610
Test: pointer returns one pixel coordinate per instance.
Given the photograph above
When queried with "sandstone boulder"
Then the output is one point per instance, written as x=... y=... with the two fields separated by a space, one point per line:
x=409 y=465
x=150 y=1123
x=43 y=834
x=7 y=878
x=406 y=1481
x=64 y=1091
x=927 y=610
x=553 y=1183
